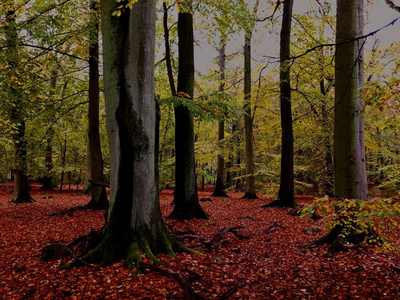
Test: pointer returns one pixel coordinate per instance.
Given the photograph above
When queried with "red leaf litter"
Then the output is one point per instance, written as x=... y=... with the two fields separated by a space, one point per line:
x=250 y=262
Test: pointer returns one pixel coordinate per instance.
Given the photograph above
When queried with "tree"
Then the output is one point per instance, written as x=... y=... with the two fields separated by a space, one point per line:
x=286 y=188
x=186 y=200
x=17 y=114
x=99 y=196
x=248 y=121
x=219 y=190
x=135 y=224
x=48 y=180
x=349 y=146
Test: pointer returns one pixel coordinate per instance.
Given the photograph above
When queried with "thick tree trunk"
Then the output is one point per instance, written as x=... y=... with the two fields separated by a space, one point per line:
x=135 y=224
x=186 y=200
x=286 y=188
x=349 y=145
x=16 y=98
x=99 y=196
x=219 y=190
x=248 y=121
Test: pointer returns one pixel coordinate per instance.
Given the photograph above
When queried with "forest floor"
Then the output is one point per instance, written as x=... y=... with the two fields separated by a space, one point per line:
x=270 y=265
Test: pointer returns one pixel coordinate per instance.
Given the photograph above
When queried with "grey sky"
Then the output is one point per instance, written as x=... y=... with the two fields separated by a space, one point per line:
x=378 y=15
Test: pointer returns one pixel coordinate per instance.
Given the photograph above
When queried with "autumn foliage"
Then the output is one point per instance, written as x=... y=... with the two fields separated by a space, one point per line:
x=260 y=255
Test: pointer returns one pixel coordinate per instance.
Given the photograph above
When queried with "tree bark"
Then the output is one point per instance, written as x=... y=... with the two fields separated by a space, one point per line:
x=248 y=121
x=17 y=118
x=88 y=175
x=219 y=190
x=349 y=145
x=286 y=189
x=48 y=180
x=99 y=196
x=327 y=182
x=135 y=223
x=186 y=200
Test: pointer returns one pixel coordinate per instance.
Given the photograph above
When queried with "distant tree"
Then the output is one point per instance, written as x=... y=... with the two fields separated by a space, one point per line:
x=48 y=180
x=98 y=192
x=248 y=120
x=349 y=145
x=219 y=190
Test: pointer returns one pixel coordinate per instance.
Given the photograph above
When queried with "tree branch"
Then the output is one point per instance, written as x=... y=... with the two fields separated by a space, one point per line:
x=392 y=5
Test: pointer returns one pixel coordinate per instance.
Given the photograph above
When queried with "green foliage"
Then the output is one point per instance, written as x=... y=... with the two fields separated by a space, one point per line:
x=374 y=220
x=207 y=107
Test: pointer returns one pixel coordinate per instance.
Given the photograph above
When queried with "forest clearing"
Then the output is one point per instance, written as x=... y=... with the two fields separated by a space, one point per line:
x=269 y=266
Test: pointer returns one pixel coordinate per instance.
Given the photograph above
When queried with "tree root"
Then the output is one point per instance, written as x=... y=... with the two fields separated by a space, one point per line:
x=337 y=241
x=215 y=242
x=184 y=282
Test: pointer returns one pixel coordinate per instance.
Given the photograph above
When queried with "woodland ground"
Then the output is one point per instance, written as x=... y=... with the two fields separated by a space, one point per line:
x=272 y=265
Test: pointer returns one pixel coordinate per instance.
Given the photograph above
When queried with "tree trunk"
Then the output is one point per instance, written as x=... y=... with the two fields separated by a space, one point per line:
x=286 y=188
x=63 y=160
x=248 y=121
x=186 y=200
x=17 y=118
x=48 y=180
x=349 y=145
x=88 y=174
x=219 y=190
x=327 y=182
x=99 y=196
x=135 y=223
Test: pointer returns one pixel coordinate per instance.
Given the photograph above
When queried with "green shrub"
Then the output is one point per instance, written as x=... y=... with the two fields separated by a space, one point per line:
x=373 y=221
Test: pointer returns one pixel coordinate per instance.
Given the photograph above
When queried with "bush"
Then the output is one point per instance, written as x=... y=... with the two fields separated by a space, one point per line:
x=355 y=221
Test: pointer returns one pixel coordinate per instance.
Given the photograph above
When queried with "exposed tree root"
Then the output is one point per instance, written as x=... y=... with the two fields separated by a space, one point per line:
x=23 y=199
x=215 y=242
x=79 y=246
x=188 y=292
x=130 y=249
x=338 y=241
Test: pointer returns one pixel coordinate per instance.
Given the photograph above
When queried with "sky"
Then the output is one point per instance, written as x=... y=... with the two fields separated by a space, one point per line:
x=378 y=15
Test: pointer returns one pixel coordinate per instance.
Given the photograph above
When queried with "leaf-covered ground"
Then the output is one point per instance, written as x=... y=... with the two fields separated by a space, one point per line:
x=270 y=265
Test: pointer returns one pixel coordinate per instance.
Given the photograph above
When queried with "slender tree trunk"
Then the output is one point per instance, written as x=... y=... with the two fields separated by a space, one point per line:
x=186 y=200
x=168 y=51
x=63 y=160
x=16 y=98
x=135 y=224
x=98 y=191
x=349 y=145
x=248 y=121
x=328 y=176
x=48 y=180
x=88 y=174
x=219 y=190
